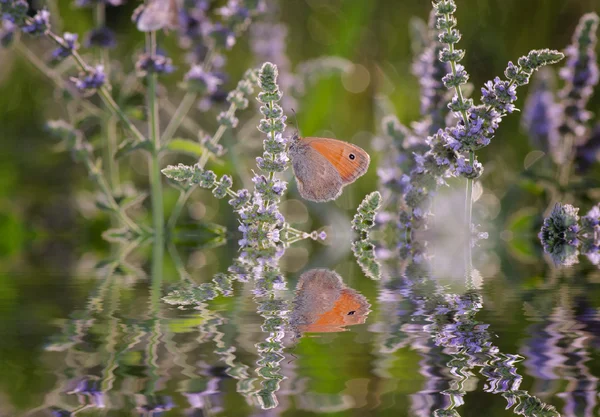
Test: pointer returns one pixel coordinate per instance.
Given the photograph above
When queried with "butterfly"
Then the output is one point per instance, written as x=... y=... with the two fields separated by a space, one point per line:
x=157 y=14
x=323 y=166
x=324 y=304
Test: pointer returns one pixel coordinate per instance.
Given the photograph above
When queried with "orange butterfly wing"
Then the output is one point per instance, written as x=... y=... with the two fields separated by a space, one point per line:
x=335 y=319
x=349 y=160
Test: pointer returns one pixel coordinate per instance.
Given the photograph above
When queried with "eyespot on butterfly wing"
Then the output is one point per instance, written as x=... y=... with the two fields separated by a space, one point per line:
x=323 y=304
x=323 y=166
x=349 y=160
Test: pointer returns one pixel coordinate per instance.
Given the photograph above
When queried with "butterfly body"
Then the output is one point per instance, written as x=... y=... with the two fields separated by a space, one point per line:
x=158 y=14
x=323 y=166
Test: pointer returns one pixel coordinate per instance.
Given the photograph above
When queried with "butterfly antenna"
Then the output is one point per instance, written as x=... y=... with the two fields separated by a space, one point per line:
x=296 y=121
x=291 y=352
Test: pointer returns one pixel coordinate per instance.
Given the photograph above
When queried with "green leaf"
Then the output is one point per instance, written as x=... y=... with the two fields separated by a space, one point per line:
x=127 y=202
x=522 y=228
x=185 y=146
x=104 y=206
x=130 y=146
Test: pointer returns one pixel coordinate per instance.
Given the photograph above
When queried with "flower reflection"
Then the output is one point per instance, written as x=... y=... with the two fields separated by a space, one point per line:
x=443 y=328
x=558 y=348
x=241 y=328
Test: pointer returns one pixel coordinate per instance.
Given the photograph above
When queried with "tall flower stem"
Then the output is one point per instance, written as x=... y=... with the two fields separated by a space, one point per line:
x=469 y=197
x=55 y=77
x=105 y=188
x=182 y=110
x=109 y=127
x=154 y=133
x=185 y=194
x=461 y=100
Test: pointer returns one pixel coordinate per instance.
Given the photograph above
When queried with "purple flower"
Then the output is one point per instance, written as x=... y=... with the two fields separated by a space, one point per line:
x=587 y=153
x=101 y=38
x=235 y=13
x=538 y=119
x=68 y=45
x=465 y=169
x=158 y=64
x=14 y=11
x=590 y=222
x=91 y=388
x=200 y=81
x=499 y=95
x=7 y=32
x=222 y=36
x=430 y=71
x=39 y=24
x=243 y=196
x=581 y=69
x=153 y=405
x=461 y=77
x=91 y=80
x=581 y=75
x=89 y=3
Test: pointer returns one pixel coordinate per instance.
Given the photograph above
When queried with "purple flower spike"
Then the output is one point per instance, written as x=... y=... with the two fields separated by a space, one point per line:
x=39 y=24
x=158 y=64
x=201 y=81
x=93 y=79
x=68 y=45
x=101 y=38
x=7 y=32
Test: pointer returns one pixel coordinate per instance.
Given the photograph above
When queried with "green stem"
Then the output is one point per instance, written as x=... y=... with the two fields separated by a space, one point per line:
x=187 y=123
x=461 y=100
x=154 y=316
x=457 y=89
x=565 y=169
x=182 y=110
x=103 y=92
x=113 y=166
x=183 y=197
x=105 y=189
x=183 y=274
x=55 y=77
x=469 y=196
x=109 y=126
x=154 y=133
x=217 y=136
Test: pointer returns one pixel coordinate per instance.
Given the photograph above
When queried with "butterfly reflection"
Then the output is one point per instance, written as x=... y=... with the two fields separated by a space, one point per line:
x=324 y=304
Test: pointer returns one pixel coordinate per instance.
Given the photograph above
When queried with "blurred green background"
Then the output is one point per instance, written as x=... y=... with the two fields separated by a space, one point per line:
x=49 y=232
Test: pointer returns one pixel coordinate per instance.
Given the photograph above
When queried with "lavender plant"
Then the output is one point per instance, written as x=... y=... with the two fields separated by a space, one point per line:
x=561 y=124
x=109 y=83
x=451 y=150
x=443 y=328
x=477 y=124
x=564 y=233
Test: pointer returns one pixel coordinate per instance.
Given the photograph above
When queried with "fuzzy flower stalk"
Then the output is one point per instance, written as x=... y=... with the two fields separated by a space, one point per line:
x=263 y=227
x=477 y=124
x=363 y=248
x=564 y=233
x=581 y=75
x=561 y=125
